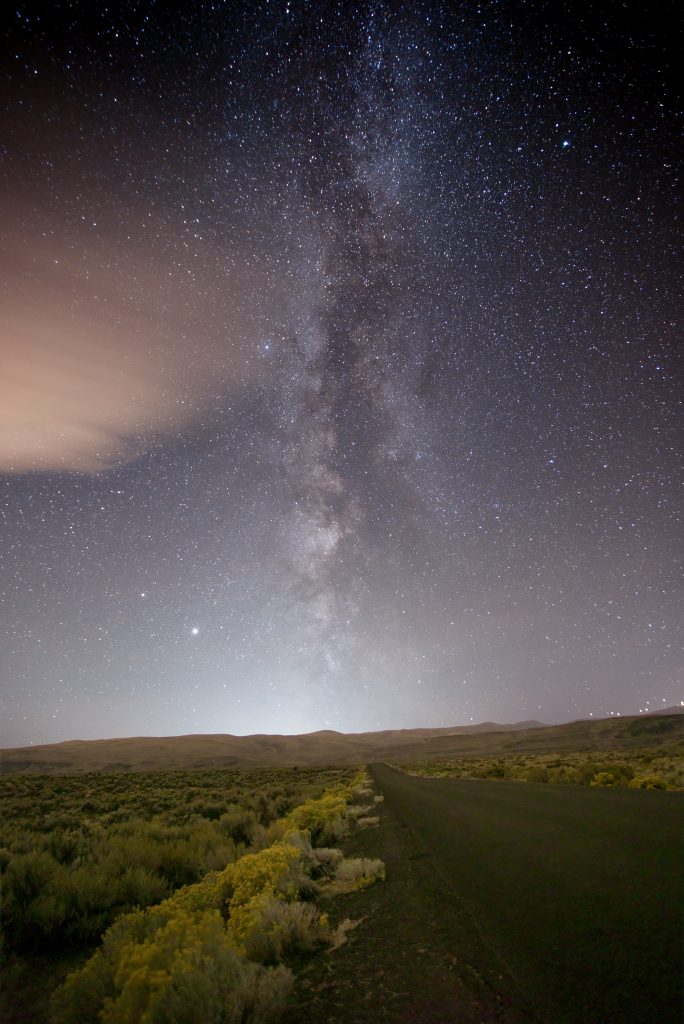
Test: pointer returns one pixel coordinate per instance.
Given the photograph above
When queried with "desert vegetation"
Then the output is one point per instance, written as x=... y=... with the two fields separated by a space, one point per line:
x=77 y=851
x=203 y=883
x=660 y=768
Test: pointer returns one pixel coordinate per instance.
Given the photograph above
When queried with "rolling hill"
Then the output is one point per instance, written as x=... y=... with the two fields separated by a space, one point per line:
x=153 y=753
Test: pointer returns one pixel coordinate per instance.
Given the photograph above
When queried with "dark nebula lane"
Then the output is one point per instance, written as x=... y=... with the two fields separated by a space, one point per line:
x=339 y=366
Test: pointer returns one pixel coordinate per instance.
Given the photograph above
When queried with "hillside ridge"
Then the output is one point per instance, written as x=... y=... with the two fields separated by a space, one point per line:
x=199 y=750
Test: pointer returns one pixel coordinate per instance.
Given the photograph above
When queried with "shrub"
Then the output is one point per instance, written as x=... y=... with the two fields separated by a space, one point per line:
x=188 y=959
x=138 y=886
x=324 y=819
x=239 y=823
x=212 y=893
x=267 y=927
x=65 y=847
x=358 y=872
x=358 y=811
x=585 y=773
x=278 y=869
x=327 y=860
x=82 y=996
x=32 y=912
x=648 y=782
x=604 y=779
x=625 y=771
x=186 y=973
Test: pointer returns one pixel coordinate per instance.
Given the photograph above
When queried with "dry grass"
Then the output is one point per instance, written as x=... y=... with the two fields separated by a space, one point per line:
x=372 y=821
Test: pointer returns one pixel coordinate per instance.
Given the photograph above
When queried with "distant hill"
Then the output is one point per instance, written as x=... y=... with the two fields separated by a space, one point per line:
x=150 y=753
x=153 y=753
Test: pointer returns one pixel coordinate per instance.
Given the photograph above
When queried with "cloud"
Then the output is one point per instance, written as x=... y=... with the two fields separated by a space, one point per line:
x=101 y=352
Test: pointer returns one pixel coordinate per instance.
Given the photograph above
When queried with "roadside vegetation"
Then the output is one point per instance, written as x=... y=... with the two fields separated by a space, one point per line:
x=77 y=851
x=633 y=769
x=205 y=884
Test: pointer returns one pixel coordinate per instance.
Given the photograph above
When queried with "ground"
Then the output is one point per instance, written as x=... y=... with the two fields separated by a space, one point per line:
x=509 y=902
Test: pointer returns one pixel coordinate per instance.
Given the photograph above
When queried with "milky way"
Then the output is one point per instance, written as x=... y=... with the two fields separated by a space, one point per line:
x=339 y=383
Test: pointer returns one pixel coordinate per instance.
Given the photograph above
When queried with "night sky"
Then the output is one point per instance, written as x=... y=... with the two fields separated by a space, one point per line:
x=338 y=382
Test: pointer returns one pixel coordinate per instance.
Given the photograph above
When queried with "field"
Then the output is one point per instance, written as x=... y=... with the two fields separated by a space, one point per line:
x=507 y=899
x=79 y=851
x=659 y=768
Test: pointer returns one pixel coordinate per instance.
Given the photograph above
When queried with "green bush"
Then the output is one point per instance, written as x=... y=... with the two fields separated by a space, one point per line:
x=239 y=823
x=65 y=847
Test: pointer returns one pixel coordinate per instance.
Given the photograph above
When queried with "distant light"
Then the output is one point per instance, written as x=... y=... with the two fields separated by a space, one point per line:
x=194 y=630
x=566 y=143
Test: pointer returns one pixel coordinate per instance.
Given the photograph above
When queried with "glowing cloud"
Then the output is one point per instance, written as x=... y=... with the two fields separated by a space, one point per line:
x=97 y=364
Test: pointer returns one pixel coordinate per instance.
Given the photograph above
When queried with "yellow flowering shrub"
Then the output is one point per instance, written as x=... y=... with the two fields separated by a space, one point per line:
x=187 y=973
x=267 y=927
x=190 y=959
x=277 y=869
x=325 y=819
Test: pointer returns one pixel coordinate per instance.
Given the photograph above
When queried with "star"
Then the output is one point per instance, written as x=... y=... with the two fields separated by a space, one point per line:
x=301 y=310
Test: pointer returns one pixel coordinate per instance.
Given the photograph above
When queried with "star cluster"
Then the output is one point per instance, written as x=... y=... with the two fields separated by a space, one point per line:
x=340 y=366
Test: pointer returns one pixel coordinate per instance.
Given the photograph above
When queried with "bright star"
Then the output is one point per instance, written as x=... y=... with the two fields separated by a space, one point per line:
x=194 y=630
